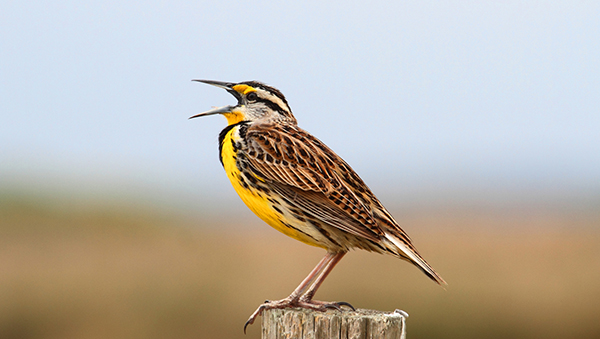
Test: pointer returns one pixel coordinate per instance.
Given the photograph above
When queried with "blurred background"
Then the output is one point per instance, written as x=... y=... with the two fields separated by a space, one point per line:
x=476 y=123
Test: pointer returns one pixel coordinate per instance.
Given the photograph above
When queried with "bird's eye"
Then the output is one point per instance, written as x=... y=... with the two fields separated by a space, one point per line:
x=252 y=96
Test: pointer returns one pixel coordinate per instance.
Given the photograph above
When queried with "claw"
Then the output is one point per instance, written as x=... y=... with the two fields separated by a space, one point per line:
x=334 y=306
x=343 y=303
x=256 y=313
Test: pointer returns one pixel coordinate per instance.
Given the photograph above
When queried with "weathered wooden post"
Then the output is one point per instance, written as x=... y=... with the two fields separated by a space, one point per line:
x=297 y=323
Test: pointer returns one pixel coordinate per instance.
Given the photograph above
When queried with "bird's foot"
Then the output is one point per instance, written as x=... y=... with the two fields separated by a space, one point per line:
x=315 y=305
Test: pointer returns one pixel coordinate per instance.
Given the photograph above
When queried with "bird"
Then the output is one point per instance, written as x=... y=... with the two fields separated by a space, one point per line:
x=299 y=186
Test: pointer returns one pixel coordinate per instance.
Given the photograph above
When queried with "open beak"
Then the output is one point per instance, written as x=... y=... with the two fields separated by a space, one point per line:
x=228 y=86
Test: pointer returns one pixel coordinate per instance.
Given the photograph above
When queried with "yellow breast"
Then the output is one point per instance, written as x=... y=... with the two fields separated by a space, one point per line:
x=256 y=200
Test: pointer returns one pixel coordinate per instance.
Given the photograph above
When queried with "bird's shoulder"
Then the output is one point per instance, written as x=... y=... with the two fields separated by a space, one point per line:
x=298 y=153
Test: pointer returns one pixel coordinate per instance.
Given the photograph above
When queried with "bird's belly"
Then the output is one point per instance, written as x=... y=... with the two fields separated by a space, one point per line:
x=258 y=202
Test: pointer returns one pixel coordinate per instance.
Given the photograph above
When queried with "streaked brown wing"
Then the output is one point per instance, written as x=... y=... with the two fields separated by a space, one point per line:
x=305 y=172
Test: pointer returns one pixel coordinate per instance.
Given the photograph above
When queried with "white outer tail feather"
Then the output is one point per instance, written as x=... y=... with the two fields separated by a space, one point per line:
x=415 y=258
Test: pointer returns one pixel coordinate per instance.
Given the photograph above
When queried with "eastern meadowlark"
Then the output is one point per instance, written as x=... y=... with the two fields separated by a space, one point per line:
x=299 y=186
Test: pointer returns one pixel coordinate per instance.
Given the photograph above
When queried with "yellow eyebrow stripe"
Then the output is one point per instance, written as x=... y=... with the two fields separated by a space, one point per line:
x=243 y=89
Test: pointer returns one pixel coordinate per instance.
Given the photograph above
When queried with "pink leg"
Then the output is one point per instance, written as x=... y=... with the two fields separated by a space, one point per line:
x=316 y=272
x=307 y=297
x=302 y=295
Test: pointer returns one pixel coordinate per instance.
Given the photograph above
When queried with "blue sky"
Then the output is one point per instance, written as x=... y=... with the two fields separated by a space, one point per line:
x=447 y=98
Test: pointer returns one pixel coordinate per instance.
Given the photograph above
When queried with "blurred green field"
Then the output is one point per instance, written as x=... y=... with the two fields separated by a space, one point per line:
x=88 y=270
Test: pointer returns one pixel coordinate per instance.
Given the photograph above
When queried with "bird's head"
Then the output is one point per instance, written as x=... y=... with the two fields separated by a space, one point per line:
x=256 y=102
